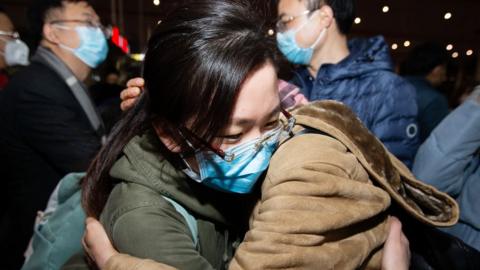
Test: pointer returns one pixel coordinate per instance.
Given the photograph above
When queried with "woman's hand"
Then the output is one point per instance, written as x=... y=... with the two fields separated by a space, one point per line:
x=130 y=94
x=96 y=243
x=396 y=252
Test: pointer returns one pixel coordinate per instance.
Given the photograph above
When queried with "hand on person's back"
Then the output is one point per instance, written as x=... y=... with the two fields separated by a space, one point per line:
x=96 y=243
x=130 y=94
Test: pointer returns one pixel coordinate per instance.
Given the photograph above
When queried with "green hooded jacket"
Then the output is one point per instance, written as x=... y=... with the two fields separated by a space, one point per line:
x=142 y=223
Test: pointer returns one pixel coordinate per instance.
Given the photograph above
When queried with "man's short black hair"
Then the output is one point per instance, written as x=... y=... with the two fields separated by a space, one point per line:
x=423 y=59
x=38 y=12
x=344 y=12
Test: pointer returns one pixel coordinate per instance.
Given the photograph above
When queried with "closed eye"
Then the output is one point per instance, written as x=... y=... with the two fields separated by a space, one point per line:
x=230 y=139
x=272 y=124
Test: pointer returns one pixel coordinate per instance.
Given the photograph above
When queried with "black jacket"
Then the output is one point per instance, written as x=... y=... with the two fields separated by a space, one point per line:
x=44 y=134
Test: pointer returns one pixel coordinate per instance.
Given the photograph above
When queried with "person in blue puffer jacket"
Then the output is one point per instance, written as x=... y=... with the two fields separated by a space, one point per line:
x=359 y=73
x=450 y=161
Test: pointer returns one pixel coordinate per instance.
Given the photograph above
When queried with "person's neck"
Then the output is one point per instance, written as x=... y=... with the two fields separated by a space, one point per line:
x=334 y=50
x=78 y=68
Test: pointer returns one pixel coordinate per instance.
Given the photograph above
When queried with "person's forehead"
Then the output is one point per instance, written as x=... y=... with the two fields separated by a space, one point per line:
x=5 y=23
x=291 y=6
x=79 y=9
x=259 y=94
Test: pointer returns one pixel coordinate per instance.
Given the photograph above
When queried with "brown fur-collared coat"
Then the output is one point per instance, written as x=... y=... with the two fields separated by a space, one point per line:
x=325 y=198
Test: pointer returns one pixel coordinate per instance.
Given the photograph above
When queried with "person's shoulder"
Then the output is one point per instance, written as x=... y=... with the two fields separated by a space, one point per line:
x=39 y=79
x=129 y=199
x=127 y=196
x=383 y=77
x=310 y=148
x=36 y=72
x=392 y=85
x=131 y=203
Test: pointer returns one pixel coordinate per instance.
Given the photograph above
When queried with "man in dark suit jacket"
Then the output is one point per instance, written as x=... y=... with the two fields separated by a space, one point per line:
x=49 y=126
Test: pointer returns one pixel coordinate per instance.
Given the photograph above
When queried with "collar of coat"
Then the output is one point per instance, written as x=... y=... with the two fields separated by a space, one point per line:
x=422 y=201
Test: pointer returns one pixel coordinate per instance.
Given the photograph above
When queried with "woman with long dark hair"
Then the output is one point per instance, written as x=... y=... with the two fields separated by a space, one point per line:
x=210 y=111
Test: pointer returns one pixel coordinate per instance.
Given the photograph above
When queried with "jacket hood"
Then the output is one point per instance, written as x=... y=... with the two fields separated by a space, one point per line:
x=420 y=200
x=366 y=56
x=143 y=164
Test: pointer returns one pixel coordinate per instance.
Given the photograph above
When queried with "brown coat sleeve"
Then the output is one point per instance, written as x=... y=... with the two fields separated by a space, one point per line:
x=319 y=210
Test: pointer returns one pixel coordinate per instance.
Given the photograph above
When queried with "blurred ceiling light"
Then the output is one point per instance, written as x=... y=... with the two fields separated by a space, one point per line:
x=394 y=46
x=455 y=55
x=358 y=20
x=449 y=47
x=156 y=2
x=137 y=56
x=385 y=9
x=447 y=16
x=469 y=52
x=407 y=43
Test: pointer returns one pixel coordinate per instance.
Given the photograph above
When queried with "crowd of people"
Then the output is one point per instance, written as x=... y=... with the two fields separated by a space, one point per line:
x=216 y=163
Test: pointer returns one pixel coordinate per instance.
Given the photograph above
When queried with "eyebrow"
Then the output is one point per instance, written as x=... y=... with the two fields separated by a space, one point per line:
x=245 y=121
x=88 y=14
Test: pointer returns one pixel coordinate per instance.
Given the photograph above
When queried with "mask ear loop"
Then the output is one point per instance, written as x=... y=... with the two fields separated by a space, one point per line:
x=320 y=37
x=63 y=27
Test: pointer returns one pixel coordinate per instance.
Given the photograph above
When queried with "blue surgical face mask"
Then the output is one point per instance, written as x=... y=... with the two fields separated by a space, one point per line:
x=249 y=161
x=93 y=47
x=292 y=51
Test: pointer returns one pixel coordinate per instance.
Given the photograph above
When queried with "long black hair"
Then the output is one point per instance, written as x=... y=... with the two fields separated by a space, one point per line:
x=195 y=64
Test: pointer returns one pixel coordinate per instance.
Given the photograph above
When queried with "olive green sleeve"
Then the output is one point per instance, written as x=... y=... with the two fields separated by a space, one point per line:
x=157 y=231
x=127 y=262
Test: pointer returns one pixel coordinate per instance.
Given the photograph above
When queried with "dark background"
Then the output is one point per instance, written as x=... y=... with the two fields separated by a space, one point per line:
x=416 y=21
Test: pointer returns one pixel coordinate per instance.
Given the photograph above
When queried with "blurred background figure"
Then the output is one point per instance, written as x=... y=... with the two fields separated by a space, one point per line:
x=450 y=160
x=426 y=69
x=13 y=51
x=50 y=126
x=106 y=95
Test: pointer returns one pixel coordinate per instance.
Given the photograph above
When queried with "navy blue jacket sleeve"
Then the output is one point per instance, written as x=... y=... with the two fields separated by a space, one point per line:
x=396 y=119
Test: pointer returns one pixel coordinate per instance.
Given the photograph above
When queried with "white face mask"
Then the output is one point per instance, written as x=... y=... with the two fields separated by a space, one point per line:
x=15 y=52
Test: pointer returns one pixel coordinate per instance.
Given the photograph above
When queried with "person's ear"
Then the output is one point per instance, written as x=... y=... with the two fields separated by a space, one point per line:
x=325 y=14
x=166 y=139
x=50 y=33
